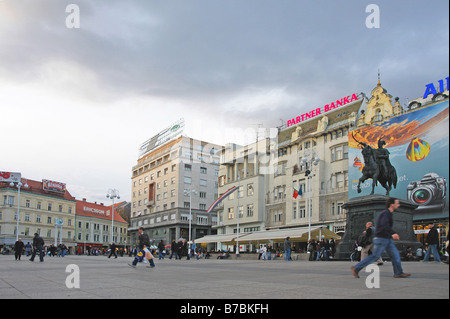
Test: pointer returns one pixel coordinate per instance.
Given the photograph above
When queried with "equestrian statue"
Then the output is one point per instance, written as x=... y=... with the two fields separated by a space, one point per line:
x=377 y=166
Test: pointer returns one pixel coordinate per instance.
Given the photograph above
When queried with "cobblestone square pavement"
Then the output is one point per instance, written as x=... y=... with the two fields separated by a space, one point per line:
x=103 y=278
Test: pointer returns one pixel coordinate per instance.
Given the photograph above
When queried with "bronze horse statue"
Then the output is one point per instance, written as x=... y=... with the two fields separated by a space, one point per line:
x=377 y=166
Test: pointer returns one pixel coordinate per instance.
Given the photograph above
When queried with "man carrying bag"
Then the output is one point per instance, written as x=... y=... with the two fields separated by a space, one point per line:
x=144 y=252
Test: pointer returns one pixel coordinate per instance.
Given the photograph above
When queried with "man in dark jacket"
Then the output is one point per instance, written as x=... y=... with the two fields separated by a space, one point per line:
x=38 y=245
x=184 y=249
x=112 y=248
x=18 y=248
x=432 y=242
x=161 y=248
x=144 y=243
x=174 y=250
x=384 y=240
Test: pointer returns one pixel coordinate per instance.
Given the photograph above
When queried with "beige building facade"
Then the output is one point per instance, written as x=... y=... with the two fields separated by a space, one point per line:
x=265 y=198
x=40 y=211
x=170 y=183
x=313 y=160
x=241 y=167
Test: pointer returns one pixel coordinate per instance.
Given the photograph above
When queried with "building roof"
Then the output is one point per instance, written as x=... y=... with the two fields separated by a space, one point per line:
x=84 y=208
x=37 y=188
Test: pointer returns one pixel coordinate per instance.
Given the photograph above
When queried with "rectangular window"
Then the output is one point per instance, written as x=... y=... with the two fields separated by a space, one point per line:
x=250 y=190
x=241 y=211
x=231 y=213
x=250 y=208
x=339 y=208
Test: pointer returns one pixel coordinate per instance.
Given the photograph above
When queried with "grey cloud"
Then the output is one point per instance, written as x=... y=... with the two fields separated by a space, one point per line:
x=208 y=49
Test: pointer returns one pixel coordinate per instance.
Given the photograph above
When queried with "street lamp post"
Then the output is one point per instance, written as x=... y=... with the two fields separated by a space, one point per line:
x=186 y=193
x=310 y=161
x=112 y=193
x=18 y=185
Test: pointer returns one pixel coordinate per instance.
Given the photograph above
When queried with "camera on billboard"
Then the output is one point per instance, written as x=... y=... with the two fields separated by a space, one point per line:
x=429 y=193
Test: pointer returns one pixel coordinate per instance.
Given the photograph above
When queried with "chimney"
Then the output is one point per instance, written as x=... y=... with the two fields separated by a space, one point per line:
x=84 y=199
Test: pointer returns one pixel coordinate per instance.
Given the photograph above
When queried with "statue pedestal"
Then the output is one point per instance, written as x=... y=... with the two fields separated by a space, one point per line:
x=363 y=209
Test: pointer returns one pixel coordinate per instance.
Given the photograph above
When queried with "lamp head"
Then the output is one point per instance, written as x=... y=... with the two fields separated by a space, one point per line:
x=316 y=160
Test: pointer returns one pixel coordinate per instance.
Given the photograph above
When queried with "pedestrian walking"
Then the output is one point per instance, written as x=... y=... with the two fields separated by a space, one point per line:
x=143 y=244
x=112 y=248
x=384 y=241
x=184 y=250
x=264 y=252
x=18 y=248
x=311 y=248
x=432 y=242
x=318 y=249
x=161 y=249
x=287 y=249
x=179 y=246
x=28 y=249
x=193 y=249
x=366 y=242
x=332 y=247
x=269 y=251
x=38 y=245
x=63 y=249
x=174 y=250
x=446 y=248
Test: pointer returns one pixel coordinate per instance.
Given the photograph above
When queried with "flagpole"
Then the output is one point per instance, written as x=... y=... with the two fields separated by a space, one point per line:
x=239 y=186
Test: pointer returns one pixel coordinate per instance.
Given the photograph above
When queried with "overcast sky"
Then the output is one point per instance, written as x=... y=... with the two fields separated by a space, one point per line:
x=76 y=103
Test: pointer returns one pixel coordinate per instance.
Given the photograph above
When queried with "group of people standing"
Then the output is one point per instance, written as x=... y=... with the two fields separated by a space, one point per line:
x=180 y=249
x=28 y=249
x=321 y=249
x=38 y=245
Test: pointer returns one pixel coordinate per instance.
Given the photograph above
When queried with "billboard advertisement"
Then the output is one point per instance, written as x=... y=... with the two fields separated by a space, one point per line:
x=173 y=131
x=53 y=186
x=10 y=177
x=414 y=149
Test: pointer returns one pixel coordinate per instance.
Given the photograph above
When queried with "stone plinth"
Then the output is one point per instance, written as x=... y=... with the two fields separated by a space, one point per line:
x=363 y=209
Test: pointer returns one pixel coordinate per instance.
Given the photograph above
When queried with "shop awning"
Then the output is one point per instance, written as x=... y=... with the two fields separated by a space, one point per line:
x=295 y=234
x=299 y=234
x=221 y=238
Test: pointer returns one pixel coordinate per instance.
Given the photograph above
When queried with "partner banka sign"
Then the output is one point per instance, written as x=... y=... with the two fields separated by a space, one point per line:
x=319 y=111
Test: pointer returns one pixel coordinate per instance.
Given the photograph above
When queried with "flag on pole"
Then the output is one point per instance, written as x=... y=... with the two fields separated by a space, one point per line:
x=224 y=195
x=295 y=193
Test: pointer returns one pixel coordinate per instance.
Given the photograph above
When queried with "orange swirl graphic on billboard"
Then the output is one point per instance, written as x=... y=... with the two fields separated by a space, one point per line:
x=394 y=134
